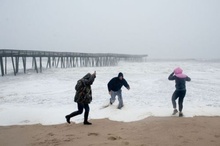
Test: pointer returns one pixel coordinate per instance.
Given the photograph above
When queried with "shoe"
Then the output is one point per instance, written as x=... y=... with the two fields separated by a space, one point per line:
x=67 y=119
x=120 y=107
x=87 y=123
x=175 y=111
x=110 y=103
x=180 y=114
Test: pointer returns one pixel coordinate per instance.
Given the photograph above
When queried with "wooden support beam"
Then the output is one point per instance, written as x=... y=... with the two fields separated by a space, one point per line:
x=40 y=64
x=93 y=62
x=5 y=65
x=71 y=62
x=76 y=61
x=2 y=67
x=61 y=62
x=32 y=62
x=54 y=62
x=58 y=62
x=64 y=60
x=13 y=64
x=49 y=62
x=24 y=63
x=35 y=64
x=67 y=62
x=81 y=61
x=17 y=64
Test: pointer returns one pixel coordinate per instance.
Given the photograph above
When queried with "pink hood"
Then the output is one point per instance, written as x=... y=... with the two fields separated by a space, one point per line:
x=179 y=73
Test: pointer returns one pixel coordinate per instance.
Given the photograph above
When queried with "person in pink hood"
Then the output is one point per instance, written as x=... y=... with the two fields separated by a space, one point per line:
x=180 y=91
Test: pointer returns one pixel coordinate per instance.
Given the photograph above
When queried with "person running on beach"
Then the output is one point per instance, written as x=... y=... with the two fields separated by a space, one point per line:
x=180 y=91
x=83 y=97
x=114 y=88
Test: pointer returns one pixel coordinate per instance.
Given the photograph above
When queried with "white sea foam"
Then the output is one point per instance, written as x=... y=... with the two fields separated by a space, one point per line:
x=47 y=97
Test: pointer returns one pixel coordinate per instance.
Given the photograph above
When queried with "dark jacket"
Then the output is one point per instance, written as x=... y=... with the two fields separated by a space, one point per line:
x=115 y=83
x=84 y=95
x=180 y=82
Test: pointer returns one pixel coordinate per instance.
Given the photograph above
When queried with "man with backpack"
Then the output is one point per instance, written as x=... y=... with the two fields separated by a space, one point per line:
x=83 y=97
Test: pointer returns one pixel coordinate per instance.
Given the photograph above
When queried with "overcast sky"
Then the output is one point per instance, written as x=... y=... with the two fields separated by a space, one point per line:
x=159 y=28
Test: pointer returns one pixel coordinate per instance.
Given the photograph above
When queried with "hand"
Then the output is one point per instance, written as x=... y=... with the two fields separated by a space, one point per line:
x=128 y=88
x=94 y=74
x=110 y=92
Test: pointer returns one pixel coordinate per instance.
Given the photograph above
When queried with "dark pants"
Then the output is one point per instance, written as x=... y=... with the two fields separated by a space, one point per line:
x=80 y=111
x=178 y=94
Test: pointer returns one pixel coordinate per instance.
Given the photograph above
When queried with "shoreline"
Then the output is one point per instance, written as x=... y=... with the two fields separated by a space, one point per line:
x=154 y=131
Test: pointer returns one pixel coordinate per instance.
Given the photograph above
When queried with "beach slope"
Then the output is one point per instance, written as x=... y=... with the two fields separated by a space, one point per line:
x=153 y=131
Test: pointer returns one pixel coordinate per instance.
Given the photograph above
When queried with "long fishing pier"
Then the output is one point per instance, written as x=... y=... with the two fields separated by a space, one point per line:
x=60 y=59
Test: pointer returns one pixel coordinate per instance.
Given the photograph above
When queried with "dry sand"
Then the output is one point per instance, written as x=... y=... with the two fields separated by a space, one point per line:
x=152 y=131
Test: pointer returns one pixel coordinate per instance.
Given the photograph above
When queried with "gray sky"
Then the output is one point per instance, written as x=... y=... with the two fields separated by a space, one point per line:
x=159 y=28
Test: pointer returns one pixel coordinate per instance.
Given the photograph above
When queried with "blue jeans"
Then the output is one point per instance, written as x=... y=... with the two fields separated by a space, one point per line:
x=119 y=94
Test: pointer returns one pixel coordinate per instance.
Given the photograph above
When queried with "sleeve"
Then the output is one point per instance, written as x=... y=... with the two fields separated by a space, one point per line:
x=90 y=92
x=188 y=79
x=126 y=84
x=110 y=84
x=171 y=76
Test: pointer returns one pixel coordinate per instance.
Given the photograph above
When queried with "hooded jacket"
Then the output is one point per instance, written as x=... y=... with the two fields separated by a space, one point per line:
x=179 y=78
x=85 y=94
x=115 y=83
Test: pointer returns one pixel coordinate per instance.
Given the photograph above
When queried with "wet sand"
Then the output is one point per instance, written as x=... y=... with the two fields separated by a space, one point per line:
x=152 y=131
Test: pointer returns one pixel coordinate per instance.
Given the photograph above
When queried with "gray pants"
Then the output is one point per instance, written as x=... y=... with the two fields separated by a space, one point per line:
x=120 y=100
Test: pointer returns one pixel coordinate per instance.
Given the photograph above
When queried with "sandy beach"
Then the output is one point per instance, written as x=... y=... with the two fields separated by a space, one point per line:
x=152 y=131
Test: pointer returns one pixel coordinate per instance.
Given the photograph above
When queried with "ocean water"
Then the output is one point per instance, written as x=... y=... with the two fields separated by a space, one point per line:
x=47 y=97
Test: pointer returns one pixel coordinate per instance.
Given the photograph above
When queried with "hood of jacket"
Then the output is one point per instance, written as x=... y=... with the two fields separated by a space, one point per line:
x=120 y=75
x=179 y=73
x=87 y=76
x=89 y=79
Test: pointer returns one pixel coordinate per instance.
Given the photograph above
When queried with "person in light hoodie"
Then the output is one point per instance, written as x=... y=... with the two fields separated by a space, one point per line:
x=180 y=91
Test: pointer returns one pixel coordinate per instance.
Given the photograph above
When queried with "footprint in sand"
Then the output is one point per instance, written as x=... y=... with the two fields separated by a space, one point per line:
x=68 y=139
x=93 y=134
x=114 y=138
x=50 y=134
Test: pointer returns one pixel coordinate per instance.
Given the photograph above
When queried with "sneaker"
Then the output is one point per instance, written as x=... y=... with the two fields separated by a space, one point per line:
x=87 y=123
x=180 y=114
x=175 y=111
x=120 y=107
x=67 y=119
